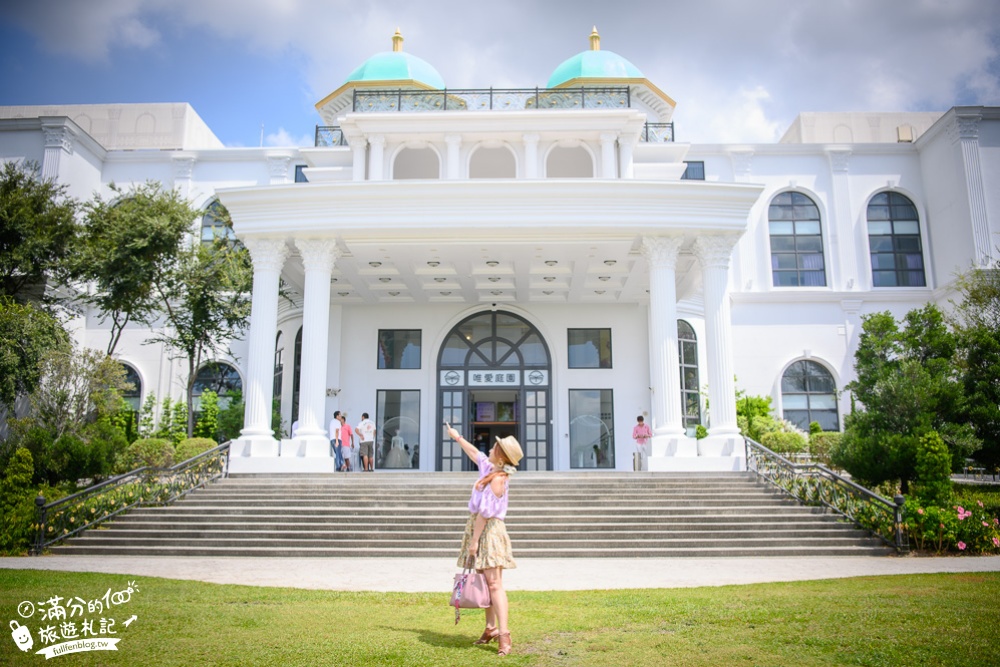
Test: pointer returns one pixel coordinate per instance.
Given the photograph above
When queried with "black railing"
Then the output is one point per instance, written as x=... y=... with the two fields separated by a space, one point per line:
x=491 y=99
x=815 y=484
x=329 y=135
x=89 y=508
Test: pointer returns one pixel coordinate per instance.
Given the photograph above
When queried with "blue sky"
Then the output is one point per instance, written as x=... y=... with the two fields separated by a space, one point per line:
x=739 y=70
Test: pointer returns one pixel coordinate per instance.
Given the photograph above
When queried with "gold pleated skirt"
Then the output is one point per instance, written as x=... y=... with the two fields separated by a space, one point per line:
x=494 y=545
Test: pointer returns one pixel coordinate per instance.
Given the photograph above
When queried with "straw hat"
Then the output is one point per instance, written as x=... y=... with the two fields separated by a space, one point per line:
x=511 y=449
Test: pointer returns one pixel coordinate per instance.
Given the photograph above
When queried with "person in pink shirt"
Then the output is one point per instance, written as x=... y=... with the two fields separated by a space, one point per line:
x=641 y=434
x=346 y=441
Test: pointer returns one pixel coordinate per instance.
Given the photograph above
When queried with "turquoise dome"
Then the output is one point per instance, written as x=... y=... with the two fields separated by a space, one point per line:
x=594 y=65
x=396 y=66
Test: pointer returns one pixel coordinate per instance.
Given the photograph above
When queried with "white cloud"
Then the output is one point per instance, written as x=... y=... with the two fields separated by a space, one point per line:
x=284 y=138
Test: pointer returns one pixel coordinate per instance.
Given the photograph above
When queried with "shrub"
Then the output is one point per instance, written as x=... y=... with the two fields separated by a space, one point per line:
x=932 y=483
x=154 y=452
x=192 y=447
x=17 y=504
x=784 y=442
x=815 y=428
x=820 y=445
x=208 y=419
x=700 y=432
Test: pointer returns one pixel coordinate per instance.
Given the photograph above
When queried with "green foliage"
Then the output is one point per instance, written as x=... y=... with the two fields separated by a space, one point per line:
x=208 y=418
x=179 y=425
x=166 y=418
x=17 y=504
x=142 y=228
x=190 y=447
x=147 y=416
x=986 y=496
x=815 y=428
x=231 y=418
x=38 y=230
x=968 y=528
x=700 y=432
x=749 y=407
x=977 y=325
x=27 y=336
x=153 y=452
x=821 y=444
x=784 y=442
x=907 y=385
x=932 y=484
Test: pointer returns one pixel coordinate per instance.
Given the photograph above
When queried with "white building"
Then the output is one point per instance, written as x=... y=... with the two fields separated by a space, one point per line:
x=545 y=262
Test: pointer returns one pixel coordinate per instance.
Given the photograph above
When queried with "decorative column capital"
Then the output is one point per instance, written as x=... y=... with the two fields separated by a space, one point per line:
x=59 y=137
x=965 y=127
x=608 y=137
x=453 y=139
x=318 y=254
x=661 y=251
x=277 y=167
x=715 y=251
x=376 y=141
x=183 y=167
x=268 y=254
x=840 y=160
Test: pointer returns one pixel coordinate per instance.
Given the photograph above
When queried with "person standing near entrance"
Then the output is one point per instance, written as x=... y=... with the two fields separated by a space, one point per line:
x=346 y=442
x=366 y=435
x=485 y=544
x=641 y=434
x=338 y=456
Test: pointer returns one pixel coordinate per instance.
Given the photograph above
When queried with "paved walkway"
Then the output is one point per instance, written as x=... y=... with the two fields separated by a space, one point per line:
x=435 y=574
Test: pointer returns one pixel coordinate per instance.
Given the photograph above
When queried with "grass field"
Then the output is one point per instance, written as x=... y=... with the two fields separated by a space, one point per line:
x=939 y=619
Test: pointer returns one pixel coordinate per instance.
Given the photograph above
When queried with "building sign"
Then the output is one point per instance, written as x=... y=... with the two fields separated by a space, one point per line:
x=494 y=378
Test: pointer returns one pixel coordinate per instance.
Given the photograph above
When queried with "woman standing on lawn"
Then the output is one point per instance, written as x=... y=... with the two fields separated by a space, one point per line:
x=485 y=542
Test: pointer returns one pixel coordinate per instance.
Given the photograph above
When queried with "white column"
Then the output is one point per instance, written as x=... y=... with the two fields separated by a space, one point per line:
x=626 y=143
x=661 y=253
x=318 y=257
x=531 y=155
x=375 y=158
x=268 y=257
x=608 y=155
x=454 y=167
x=967 y=129
x=58 y=140
x=714 y=252
x=359 y=146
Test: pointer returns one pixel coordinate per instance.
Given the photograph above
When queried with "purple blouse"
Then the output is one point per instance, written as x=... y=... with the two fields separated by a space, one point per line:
x=485 y=502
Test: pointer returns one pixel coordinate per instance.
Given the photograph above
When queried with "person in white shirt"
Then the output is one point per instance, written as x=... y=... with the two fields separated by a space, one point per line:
x=366 y=434
x=338 y=456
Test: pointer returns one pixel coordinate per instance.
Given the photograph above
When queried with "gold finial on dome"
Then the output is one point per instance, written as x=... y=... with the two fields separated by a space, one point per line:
x=595 y=40
x=397 y=41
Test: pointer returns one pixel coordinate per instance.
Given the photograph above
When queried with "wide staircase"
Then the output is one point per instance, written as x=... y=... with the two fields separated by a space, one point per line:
x=423 y=514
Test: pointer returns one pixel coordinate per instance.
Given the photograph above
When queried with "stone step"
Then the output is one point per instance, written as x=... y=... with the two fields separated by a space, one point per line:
x=431 y=503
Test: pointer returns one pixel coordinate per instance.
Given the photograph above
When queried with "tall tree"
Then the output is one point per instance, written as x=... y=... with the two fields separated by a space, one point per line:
x=37 y=230
x=130 y=242
x=205 y=302
x=977 y=324
x=27 y=334
x=907 y=385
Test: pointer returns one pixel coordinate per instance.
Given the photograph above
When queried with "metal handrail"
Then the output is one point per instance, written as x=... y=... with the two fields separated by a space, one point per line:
x=814 y=483
x=147 y=485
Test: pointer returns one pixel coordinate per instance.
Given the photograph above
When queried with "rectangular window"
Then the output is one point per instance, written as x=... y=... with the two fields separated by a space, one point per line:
x=398 y=348
x=300 y=176
x=589 y=348
x=397 y=429
x=591 y=428
x=695 y=171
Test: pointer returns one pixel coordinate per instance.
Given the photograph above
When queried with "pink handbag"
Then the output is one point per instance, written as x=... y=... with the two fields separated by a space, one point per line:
x=469 y=592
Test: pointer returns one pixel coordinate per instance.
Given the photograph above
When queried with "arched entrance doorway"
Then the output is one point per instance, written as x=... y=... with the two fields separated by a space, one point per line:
x=493 y=380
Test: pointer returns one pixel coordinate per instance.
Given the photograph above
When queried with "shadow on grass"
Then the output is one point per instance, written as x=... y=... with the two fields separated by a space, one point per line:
x=438 y=639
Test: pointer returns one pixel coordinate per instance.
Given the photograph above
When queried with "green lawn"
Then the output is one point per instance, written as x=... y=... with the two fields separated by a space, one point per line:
x=940 y=619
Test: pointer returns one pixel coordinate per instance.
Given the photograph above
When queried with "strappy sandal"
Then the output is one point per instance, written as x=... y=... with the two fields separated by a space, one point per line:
x=503 y=638
x=489 y=634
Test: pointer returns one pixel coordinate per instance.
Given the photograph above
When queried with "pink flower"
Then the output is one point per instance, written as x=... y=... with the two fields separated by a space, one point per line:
x=979 y=502
x=996 y=522
x=961 y=546
x=920 y=511
x=996 y=541
x=986 y=524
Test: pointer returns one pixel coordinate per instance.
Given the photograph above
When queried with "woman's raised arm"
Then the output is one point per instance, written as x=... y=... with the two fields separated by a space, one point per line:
x=469 y=449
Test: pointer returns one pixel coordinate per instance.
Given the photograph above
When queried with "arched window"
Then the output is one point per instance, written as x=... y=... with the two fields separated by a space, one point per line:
x=133 y=396
x=809 y=394
x=572 y=162
x=894 y=241
x=215 y=224
x=687 y=344
x=217 y=376
x=796 y=241
x=416 y=163
x=296 y=374
x=492 y=163
x=279 y=366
